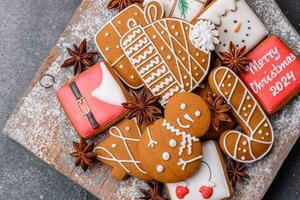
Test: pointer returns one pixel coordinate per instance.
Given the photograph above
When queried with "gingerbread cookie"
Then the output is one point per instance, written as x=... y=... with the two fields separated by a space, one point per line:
x=257 y=139
x=273 y=76
x=183 y=9
x=93 y=100
x=209 y=182
x=120 y=150
x=169 y=55
x=170 y=150
x=235 y=22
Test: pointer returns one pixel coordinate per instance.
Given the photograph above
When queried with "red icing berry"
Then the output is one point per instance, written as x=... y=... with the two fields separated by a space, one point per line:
x=182 y=191
x=206 y=191
x=273 y=76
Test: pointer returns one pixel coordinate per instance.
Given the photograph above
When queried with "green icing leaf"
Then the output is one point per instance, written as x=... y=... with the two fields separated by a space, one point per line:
x=183 y=8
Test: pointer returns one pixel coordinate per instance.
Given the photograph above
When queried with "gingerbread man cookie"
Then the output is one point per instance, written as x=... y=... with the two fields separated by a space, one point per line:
x=169 y=55
x=257 y=139
x=120 y=150
x=170 y=150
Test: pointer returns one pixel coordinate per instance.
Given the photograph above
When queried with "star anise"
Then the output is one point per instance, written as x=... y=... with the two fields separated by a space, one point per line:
x=121 y=4
x=83 y=152
x=218 y=110
x=235 y=58
x=236 y=172
x=154 y=192
x=142 y=107
x=80 y=58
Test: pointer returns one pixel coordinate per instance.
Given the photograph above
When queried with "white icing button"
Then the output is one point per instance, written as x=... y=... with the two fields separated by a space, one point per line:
x=173 y=26
x=183 y=106
x=245 y=143
x=135 y=13
x=117 y=46
x=244 y=150
x=229 y=76
x=176 y=33
x=197 y=74
x=244 y=108
x=121 y=66
x=249 y=106
x=203 y=60
x=260 y=132
x=195 y=68
x=132 y=77
x=266 y=125
x=248 y=97
x=245 y=114
x=185 y=77
x=154 y=36
x=239 y=148
x=183 y=58
x=197 y=54
x=107 y=49
x=197 y=113
x=114 y=145
x=169 y=57
x=166 y=156
x=187 y=84
x=262 y=138
x=186 y=28
x=160 y=168
x=119 y=22
x=162 y=48
x=223 y=85
x=267 y=134
x=179 y=52
x=226 y=93
x=127 y=128
x=106 y=34
x=162 y=32
x=172 y=143
x=229 y=84
x=243 y=158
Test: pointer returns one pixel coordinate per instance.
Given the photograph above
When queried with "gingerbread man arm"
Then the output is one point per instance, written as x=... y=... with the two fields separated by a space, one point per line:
x=258 y=138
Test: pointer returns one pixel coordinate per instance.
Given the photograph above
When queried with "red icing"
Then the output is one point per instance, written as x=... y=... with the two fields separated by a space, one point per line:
x=182 y=191
x=103 y=112
x=206 y=191
x=271 y=84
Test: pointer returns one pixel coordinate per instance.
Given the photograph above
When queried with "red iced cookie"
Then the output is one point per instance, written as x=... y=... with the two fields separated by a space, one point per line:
x=93 y=100
x=273 y=76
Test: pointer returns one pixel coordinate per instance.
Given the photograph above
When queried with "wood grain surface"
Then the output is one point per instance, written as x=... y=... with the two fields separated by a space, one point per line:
x=39 y=123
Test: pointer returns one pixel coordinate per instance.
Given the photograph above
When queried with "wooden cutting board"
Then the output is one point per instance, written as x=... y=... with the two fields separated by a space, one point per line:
x=39 y=123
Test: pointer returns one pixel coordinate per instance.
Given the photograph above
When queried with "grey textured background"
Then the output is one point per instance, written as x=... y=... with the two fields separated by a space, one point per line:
x=28 y=30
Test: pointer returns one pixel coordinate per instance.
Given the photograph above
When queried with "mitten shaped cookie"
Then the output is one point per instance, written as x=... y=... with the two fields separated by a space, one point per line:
x=120 y=150
x=169 y=55
x=170 y=150
x=257 y=139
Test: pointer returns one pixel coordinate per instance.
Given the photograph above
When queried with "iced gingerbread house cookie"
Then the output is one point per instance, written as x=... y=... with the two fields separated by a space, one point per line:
x=235 y=22
x=209 y=182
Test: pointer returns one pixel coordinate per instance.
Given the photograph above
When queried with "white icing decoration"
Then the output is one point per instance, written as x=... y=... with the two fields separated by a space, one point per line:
x=143 y=56
x=121 y=66
x=183 y=106
x=131 y=37
x=106 y=34
x=183 y=162
x=115 y=132
x=114 y=145
x=156 y=74
x=152 y=142
x=107 y=49
x=160 y=168
x=244 y=150
x=197 y=113
x=182 y=125
x=150 y=65
x=188 y=117
x=218 y=179
x=253 y=129
x=136 y=47
x=166 y=156
x=127 y=128
x=109 y=90
x=172 y=143
x=132 y=77
x=204 y=35
x=186 y=138
x=166 y=97
x=161 y=85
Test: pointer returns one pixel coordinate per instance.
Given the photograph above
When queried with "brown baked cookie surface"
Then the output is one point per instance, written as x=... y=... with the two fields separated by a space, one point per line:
x=170 y=150
x=257 y=139
x=120 y=150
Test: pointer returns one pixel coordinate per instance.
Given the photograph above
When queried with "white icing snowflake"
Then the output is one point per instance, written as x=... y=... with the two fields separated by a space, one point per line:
x=204 y=35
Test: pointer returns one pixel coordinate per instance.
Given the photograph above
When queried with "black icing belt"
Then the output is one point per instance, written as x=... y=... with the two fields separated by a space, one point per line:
x=79 y=100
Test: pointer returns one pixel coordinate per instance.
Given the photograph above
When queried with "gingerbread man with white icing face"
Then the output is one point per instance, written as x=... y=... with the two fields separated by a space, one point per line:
x=170 y=149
